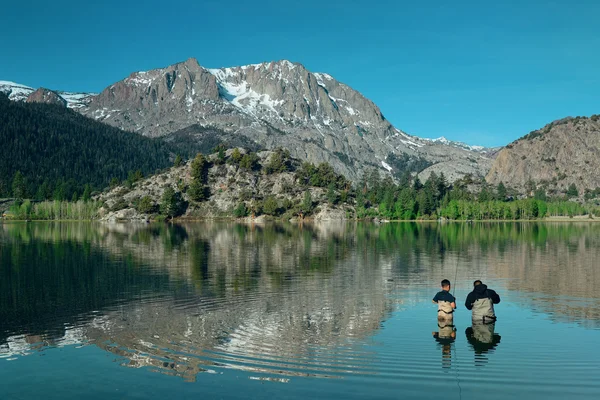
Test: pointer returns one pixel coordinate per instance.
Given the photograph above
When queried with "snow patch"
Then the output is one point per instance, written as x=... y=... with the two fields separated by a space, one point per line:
x=321 y=76
x=77 y=100
x=139 y=78
x=15 y=91
x=386 y=166
x=444 y=141
x=238 y=92
x=351 y=110
x=411 y=143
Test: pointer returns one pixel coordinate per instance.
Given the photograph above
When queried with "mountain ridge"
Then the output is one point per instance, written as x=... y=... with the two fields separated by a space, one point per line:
x=564 y=152
x=276 y=104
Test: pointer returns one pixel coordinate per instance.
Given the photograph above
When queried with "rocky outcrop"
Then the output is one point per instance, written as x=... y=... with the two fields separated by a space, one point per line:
x=43 y=95
x=126 y=214
x=227 y=186
x=328 y=213
x=562 y=153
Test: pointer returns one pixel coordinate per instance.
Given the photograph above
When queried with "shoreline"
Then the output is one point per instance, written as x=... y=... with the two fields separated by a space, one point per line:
x=260 y=220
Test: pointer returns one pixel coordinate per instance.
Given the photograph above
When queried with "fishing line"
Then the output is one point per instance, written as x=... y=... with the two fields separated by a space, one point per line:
x=455 y=353
x=455 y=276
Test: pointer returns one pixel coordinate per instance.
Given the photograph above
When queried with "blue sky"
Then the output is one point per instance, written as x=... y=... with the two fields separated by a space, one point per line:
x=476 y=71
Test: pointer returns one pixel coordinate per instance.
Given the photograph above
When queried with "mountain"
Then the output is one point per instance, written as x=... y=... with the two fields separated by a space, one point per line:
x=271 y=105
x=47 y=96
x=18 y=92
x=562 y=153
x=277 y=104
x=53 y=144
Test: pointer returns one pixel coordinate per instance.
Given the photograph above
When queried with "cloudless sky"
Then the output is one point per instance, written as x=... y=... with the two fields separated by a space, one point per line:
x=482 y=72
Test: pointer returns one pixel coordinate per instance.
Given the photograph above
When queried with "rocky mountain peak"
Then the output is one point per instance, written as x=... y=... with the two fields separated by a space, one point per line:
x=43 y=95
x=562 y=153
x=288 y=95
x=152 y=101
x=19 y=92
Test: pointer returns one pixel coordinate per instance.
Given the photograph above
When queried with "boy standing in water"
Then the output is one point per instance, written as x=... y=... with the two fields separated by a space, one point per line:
x=445 y=301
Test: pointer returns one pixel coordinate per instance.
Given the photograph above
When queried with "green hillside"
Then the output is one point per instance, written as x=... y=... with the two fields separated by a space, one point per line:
x=58 y=151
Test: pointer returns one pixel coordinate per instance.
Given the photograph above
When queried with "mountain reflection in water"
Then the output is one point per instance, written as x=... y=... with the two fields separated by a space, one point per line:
x=281 y=299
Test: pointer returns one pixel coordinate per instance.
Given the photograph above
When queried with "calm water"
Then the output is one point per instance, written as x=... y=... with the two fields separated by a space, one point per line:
x=325 y=311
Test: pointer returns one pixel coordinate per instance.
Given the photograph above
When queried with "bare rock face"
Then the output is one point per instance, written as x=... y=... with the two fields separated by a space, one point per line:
x=47 y=96
x=330 y=214
x=556 y=156
x=158 y=101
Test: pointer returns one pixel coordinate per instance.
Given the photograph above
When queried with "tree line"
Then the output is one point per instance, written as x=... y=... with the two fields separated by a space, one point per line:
x=411 y=199
x=374 y=196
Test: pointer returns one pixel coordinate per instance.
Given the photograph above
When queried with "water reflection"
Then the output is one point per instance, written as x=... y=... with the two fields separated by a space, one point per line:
x=281 y=299
x=483 y=341
x=445 y=337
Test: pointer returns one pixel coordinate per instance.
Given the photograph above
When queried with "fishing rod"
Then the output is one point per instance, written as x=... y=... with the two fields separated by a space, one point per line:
x=455 y=276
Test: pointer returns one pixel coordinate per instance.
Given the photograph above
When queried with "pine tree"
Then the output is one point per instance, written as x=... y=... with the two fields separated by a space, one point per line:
x=270 y=206
x=145 y=205
x=241 y=210
x=19 y=187
x=236 y=156
x=199 y=168
x=484 y=195
x=501 y=192
x=87 y=193
x=332 y=196
x=249 y=161
x=171 y=203
x=417 y=185
x=178 y=161
x=197 y=191
x=307 y=204
x=571 y=192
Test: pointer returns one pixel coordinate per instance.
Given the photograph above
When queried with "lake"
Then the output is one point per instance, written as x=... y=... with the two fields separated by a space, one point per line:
x=342 y=310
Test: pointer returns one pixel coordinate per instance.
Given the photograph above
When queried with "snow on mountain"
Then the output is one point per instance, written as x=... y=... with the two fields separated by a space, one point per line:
x=19 y=92
x=445 y=141
x=240 y=93
x=15 y=91
x=77 y=100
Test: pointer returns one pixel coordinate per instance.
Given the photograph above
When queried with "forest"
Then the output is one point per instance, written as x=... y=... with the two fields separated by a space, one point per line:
x=50 y=152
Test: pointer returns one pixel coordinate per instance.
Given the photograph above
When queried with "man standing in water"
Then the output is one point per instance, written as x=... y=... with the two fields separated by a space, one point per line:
x=481 y=301
x=445 y=301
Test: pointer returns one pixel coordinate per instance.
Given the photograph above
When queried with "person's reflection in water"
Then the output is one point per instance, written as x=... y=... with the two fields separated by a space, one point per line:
x=483 y=340
x=445 y=336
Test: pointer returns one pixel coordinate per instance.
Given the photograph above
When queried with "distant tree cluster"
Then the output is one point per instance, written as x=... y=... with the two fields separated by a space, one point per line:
x=322 y=175
x=279 y=162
